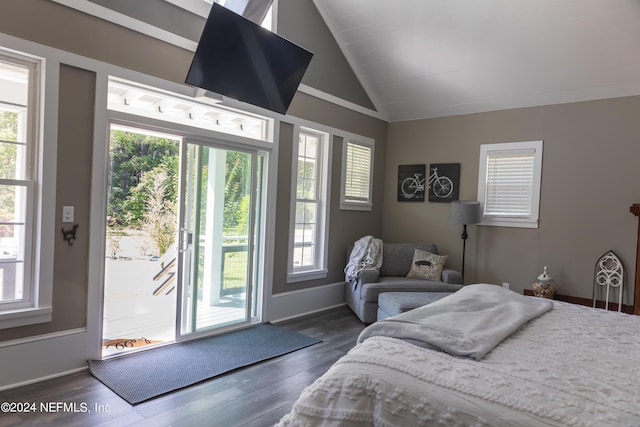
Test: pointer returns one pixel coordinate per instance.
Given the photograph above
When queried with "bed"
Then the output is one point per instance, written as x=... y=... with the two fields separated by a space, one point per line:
x=569 y=365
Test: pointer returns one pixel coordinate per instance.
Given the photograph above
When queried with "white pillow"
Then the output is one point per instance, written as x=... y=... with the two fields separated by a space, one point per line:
x=426 y=265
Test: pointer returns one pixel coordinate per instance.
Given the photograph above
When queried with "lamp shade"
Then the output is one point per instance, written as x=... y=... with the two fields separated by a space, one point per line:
x=465 y=212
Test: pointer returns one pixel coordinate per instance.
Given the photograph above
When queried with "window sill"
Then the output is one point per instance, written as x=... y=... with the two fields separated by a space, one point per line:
x=303 y=276
x=510 y=223
x=355 y=207
x=24 y=317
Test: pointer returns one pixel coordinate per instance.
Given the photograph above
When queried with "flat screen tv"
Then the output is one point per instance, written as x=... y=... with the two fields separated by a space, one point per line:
x=239 y=59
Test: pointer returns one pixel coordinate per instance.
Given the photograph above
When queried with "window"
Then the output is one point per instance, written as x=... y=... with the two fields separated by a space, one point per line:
x=20 y=300
x=357 y=175
x=308 y=239
x=509 y=183
x=140 y=100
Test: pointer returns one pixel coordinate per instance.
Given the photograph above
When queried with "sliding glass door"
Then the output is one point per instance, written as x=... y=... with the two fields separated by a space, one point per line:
x=183 y=239
x=220 y=193
x=139 y=300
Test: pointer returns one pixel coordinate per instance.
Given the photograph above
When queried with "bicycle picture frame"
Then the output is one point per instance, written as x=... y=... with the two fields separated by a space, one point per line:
x=411 y=183
x=444 y=182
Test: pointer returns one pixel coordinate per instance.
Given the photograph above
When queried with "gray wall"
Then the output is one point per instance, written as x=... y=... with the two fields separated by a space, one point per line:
x=55 y=25
x=329 y=71
x=161 y=14
x=589 y=180
x=298 y=21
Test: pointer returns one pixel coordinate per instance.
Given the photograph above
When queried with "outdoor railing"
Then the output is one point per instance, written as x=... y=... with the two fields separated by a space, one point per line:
x=235 y=252
x=234 y=268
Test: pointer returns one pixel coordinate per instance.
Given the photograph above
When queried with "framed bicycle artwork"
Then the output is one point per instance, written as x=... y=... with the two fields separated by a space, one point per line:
x=444 y=180
x=411 y=183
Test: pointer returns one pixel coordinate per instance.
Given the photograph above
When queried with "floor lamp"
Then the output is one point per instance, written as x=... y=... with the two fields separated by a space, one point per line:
x=464 y=212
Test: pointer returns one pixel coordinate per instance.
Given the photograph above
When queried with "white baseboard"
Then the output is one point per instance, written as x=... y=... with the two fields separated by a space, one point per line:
x=48 y=377
x=287 y=305
x=27 y=361
x=42 y=358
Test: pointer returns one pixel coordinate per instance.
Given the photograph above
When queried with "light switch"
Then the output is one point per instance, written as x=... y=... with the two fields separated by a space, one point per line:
x=67 y=214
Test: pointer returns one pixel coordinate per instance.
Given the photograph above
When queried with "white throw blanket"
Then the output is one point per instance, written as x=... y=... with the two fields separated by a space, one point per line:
x=366 y=253
x=468 y=323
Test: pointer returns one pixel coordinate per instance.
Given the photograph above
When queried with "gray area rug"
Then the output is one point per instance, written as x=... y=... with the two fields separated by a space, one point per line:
x=151 y=373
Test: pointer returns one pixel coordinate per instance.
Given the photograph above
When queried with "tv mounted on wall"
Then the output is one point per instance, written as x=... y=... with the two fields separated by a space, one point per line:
x=239 y=59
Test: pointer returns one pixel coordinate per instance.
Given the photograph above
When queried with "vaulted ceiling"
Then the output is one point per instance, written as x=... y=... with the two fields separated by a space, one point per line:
x=429 y=58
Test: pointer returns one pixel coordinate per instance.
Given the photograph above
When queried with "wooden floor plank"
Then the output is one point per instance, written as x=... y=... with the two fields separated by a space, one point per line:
x=255 y=396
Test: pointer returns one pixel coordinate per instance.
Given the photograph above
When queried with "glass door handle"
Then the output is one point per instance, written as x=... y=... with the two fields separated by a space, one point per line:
x=186 y=239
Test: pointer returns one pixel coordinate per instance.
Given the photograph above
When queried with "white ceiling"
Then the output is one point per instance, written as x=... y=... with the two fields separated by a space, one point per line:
x=430 y=58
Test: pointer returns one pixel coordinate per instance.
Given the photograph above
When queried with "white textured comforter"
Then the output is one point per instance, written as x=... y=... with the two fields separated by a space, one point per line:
x=573 y=366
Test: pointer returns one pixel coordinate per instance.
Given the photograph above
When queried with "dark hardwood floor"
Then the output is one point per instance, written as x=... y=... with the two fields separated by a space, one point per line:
x=256 y=396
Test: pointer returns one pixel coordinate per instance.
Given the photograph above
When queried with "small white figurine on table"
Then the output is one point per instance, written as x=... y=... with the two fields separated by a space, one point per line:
x=544 y=287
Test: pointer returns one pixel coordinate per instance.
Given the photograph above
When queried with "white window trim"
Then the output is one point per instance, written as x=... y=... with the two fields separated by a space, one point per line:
x=350 y=205
x=527 y=222
x=319 y=270
x=45 y=123
x=124 y=97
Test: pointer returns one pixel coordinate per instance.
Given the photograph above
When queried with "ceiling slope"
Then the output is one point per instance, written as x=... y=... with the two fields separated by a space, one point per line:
x=430 y=58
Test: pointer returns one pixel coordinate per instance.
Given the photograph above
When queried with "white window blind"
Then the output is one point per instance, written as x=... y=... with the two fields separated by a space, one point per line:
x=509 y=183
x=357 y=174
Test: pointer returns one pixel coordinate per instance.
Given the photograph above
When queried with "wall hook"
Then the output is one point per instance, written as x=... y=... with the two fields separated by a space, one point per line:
x=70 y=235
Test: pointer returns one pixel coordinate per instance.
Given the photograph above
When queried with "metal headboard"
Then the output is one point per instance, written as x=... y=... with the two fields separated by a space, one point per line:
x=609 y=274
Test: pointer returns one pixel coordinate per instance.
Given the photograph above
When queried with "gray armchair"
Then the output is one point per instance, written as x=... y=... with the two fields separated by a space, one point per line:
x=362 y=296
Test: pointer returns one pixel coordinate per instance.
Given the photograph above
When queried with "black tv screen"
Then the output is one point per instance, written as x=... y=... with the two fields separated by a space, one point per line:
x=239 y=59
